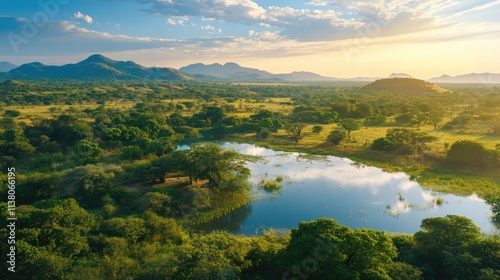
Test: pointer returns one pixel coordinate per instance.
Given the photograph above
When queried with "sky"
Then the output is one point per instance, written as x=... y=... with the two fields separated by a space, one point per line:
x=335 y=38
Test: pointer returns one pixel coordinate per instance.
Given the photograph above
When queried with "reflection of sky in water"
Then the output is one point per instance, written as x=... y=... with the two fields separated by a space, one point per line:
x=355 y=195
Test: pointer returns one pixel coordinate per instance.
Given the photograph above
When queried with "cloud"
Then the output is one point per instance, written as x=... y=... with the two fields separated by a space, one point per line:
x=344 y=20
x=85 y=18
x=66 y=38
x=181 y=20
x=207 y=27
x=243 y=11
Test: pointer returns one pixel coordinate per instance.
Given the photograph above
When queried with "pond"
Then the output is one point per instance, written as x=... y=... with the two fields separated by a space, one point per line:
x=356 y=195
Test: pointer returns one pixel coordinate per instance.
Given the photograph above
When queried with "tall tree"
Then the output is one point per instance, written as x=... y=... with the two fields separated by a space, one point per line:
x=349 y=125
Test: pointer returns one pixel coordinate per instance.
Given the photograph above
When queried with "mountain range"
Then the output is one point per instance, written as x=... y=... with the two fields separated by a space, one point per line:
x=234 y=72
x=99 y=67
x=473 y=78
x=96 y=67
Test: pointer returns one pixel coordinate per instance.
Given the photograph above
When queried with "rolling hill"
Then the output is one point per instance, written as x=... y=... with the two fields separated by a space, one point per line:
x=96 y=67
x=406 y=86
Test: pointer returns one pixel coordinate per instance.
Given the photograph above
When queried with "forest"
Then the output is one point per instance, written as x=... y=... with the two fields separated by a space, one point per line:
x=102 y=190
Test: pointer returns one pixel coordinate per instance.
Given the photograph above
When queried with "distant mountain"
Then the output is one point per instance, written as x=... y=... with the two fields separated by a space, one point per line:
x=234 y=72
x=96 y=67
x=473 y=78
x=406 y=86
x=400 y=75
x=6 y=66
x=229 y=71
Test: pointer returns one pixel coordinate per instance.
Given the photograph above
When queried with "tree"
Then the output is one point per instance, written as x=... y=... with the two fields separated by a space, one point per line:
x=296 y=130
x=215 y=115
x=407 y=141
x=467 y=153
x=317 y=129
x=86 y=152
x=87 y=183
x=376 y=119
x=14 y=143
x=67 y=130
x=8 y=123
x=322 y=248
x=444 y=243
x=131 y=228
x=189 y=104
x=219 y=164
x=436 y=116
x=11 y=113
x=336 y=136
x=384 y=144
x=349 y=125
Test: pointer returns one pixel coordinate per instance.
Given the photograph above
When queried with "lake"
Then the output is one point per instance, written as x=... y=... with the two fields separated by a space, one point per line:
x=356 y=195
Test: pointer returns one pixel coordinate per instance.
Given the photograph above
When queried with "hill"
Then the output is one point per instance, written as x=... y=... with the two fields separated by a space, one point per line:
x=407 y=86
x=6 y=66
x=96 y=67
x=472 y=78
x=234 y=72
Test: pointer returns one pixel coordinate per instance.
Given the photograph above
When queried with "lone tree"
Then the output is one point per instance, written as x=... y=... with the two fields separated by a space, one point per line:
x=349 y=125
x=296 y=130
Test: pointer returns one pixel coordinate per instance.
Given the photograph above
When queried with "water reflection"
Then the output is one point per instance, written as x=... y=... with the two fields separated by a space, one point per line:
x=355 y=195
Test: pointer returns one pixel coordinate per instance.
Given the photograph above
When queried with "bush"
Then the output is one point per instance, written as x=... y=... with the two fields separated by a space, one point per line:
x=384 y=144
x=269 y=185
x=468 y=153
x=336 y=136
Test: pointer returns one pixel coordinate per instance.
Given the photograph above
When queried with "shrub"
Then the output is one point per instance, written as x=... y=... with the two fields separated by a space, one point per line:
x=384 y=144
x=336 y=136
x=468 y=153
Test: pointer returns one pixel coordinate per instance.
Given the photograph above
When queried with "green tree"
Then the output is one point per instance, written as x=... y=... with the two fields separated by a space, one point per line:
x=215 y=115
x=14 y=143
x=8 y=123
x=296 y=131
x=317 y=129
x=87 y=183
x=336 y=136
x=219 y=164
x=67 y=130
x=444 y=242
x=467 y=153
x=11 y=113
x=349 y=125
x=323 y=249
x=86 y=152
x=189 y=104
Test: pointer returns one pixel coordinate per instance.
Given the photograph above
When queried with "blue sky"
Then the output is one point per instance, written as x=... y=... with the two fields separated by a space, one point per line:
x=331 y=37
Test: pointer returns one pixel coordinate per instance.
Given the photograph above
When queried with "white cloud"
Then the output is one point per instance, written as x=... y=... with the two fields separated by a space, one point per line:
x=86 y=18
x=207 y=27
x=180 y=20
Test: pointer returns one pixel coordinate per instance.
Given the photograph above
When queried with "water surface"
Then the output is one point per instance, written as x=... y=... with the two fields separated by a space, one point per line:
x=356 y=195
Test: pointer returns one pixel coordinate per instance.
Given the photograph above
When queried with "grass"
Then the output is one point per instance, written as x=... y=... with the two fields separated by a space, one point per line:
x=270 y=186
